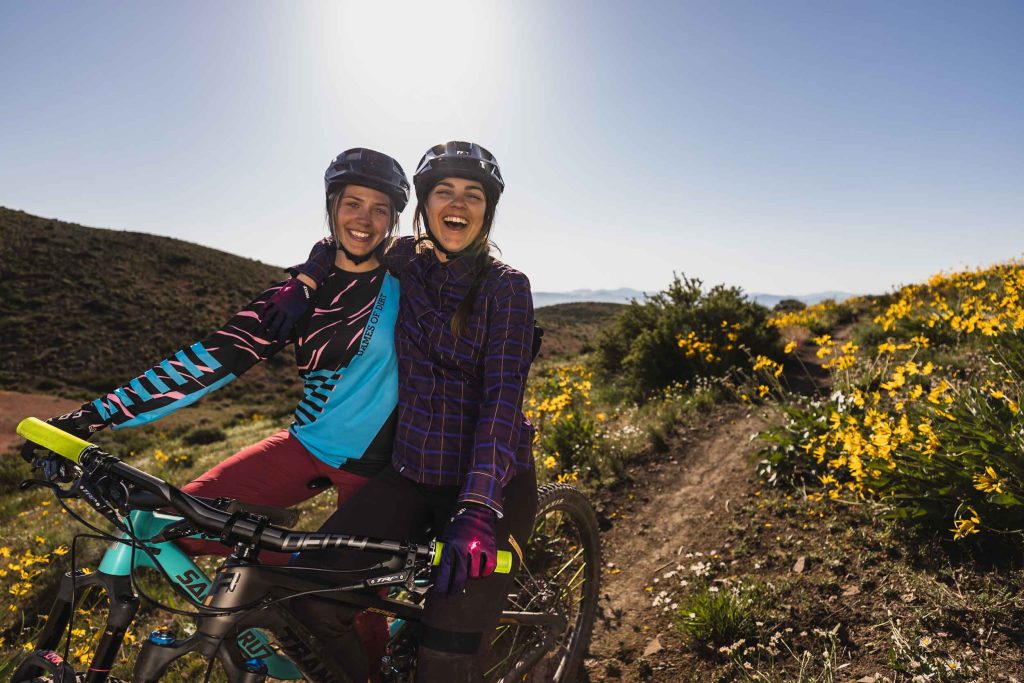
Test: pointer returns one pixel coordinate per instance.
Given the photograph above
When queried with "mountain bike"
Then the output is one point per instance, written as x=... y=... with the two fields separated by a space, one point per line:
x=244 y=622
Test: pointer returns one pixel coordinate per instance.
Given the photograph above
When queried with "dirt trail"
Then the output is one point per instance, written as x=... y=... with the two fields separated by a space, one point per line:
x=682 y=502
x=14 y=406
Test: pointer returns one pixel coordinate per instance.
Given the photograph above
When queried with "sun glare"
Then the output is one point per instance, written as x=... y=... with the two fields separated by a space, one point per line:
x=413 y=54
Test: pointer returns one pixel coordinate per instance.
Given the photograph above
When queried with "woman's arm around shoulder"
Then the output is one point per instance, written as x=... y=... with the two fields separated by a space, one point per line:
x=399 y=252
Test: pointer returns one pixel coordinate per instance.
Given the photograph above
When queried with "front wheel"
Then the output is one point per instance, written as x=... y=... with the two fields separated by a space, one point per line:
x=560 y=576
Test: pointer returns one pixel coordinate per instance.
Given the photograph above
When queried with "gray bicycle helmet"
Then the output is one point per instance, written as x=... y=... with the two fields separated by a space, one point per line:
x=366 y=167
x=460 y=160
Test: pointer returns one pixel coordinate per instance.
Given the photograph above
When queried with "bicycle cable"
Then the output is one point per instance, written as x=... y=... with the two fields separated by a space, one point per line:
x=136 y=543
x=200 y=609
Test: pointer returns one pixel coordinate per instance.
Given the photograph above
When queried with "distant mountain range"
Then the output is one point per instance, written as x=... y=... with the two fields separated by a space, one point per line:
x=624 y=295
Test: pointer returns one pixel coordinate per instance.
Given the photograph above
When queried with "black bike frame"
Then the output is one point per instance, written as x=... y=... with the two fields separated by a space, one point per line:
x=255 y=596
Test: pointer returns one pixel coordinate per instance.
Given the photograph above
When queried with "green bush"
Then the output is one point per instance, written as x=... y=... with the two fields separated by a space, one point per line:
x=681 y=334
x=789 y=305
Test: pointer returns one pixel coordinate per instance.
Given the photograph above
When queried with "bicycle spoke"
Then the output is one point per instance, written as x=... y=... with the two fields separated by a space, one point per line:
x=566 y=565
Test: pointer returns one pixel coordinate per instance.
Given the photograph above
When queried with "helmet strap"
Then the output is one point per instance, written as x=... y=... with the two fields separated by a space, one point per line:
x=353 y=257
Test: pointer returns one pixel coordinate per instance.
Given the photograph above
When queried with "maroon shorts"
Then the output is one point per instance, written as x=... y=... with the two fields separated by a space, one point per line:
x=276 y=472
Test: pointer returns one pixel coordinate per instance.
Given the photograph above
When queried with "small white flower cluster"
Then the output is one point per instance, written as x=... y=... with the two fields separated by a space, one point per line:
x=928 y=665
x=665 y=601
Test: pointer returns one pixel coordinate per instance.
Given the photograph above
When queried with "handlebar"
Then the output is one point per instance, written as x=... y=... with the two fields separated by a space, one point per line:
x=236 y=527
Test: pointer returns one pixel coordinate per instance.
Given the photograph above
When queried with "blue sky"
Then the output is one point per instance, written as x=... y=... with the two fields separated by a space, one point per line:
x=785 y=147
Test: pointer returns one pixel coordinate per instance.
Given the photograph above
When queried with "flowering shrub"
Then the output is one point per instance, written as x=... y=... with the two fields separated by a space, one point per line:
x=558 y=404
x=929 y=419
x=716 y=330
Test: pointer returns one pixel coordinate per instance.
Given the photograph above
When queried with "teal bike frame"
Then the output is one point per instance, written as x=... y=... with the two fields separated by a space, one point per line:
x=114 y=576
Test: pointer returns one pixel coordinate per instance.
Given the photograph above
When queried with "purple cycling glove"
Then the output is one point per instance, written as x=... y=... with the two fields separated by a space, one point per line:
x=283 y=309
x=319 y=262
x=470 y=549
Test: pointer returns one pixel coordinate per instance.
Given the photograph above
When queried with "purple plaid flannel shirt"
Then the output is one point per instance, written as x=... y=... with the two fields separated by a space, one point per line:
x=460 y=399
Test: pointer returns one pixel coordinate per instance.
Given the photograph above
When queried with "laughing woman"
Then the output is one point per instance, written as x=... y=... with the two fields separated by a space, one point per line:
x=462 y=463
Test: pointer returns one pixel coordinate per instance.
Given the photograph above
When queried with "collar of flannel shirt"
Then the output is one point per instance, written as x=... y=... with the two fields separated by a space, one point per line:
x=459 y=269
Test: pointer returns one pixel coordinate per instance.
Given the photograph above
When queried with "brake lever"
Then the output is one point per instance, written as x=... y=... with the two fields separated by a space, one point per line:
x=26 y=484
x=58 y=491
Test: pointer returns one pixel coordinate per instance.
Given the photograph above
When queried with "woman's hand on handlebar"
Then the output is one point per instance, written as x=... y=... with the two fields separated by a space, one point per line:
x=470 y=550
x=54 y=467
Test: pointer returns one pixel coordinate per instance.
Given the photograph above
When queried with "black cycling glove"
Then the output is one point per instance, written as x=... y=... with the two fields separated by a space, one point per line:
x=82 y=422
x=284 y=309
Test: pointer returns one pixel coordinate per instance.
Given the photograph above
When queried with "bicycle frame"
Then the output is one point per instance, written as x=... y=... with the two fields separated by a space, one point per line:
x=243 y=594
x=239 y=584
x=113 y=577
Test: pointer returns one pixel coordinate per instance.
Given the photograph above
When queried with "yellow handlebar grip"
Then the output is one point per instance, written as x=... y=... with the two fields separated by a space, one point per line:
x=504 y=558
x=51 y=438
x=504 y=562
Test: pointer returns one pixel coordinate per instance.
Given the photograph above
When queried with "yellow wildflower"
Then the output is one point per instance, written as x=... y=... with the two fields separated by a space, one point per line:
x=965 y=526
x=989 y=482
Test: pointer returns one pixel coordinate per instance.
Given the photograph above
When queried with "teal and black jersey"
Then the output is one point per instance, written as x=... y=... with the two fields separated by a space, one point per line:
x=345 y=353
x=346 y=357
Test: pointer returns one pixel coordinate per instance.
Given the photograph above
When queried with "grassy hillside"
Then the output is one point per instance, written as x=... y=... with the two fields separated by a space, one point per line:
x=570 y=329
x=84 y=308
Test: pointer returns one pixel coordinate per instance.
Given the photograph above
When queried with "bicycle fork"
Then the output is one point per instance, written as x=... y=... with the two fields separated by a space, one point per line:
x=123 y=606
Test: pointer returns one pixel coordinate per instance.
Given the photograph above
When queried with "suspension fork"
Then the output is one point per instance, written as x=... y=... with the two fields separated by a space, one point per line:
x=123 y=605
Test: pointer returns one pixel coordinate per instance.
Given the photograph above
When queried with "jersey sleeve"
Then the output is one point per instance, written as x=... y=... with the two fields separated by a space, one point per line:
x=184 y=377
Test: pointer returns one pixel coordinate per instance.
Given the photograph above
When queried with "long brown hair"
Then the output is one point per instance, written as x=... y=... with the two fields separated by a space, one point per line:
x=479 y=252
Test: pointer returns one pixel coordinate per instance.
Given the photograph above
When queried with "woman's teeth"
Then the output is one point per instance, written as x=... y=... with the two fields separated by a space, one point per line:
x=359 y=235
x=455 y=222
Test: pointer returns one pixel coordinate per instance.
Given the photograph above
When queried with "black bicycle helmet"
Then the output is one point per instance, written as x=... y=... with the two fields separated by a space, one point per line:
x=459 y=160
x=360 y=166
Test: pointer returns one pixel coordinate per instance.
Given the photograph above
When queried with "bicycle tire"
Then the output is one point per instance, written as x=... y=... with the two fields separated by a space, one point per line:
x=561 y=573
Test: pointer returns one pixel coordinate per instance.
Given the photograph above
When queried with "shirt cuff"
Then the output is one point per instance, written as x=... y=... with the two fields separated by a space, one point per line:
x=482 y=488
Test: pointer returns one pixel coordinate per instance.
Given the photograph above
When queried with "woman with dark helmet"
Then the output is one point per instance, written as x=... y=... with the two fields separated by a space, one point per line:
x=343 y=428
x=462 y=467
